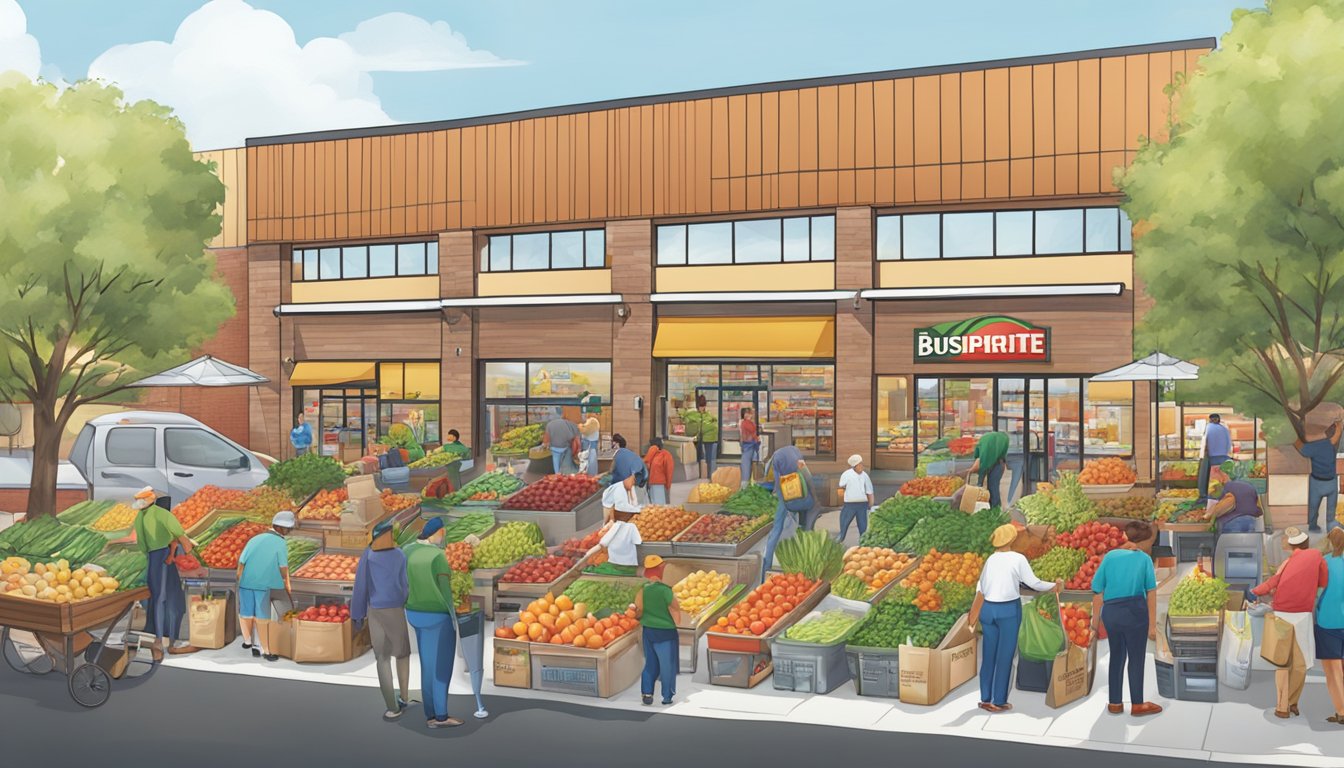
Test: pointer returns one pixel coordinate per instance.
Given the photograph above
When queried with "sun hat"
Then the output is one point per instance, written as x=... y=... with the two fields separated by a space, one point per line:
x=284 y=518
x=1003 y=535
x=1295 y=536
x=855 y=460
x=653 y=561
x=432 y=526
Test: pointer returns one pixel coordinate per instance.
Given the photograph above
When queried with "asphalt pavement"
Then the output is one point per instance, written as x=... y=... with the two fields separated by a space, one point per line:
x=176 y=717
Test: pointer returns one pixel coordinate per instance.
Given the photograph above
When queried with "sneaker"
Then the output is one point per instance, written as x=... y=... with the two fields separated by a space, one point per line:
x=451 y=722
x=481 y=714
x=647 y=699
x=256 y=653
x=394 y=714
x=271 y=657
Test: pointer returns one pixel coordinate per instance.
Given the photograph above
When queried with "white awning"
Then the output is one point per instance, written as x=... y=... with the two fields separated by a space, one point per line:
x=736 y=297
x=1155 y=367
x=534 y=301
x=357 y=307
x=994 y=291
x=204 y=371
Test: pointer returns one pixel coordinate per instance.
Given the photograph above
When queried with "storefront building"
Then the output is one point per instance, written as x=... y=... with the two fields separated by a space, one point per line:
x=881 y=263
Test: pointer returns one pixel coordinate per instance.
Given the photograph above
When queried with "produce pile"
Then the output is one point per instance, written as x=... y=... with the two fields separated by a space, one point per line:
x=826 y=628
x=398 y=502
x=206 y=537
x=961 y=446
x=261 y=503
x=326 y=614
x=932 y=485
x=128 y=566
x=767 y=604
x=1198 y=594
x=329 y=567
x=224 y=551
x=1180 y=493
x=564 y=621
x=52 y=582
x=1107 y=471
x=326 y=505
x=850 y=587
x=299 y=549
x=205 y=501
x=896 y=621
x=509 y=544
x=500 y=484
x=553 y=493
x=894 y=518
x=461 y=585
x=118 y=518
x=47 y=538
x=602 y=597
x=1063 y=506
x=437 y=458
x=711 y=493
x=1179 y=471
x=875 y=567
x=459 y=555
x=1083 y=578
x=656 y=523
x=85 y=512
x=1059 y=564
x=437 y=488
x=752 y=501
x=519 y=439
x=538 y=570
x=579 y=547
x=813 y=554
x=306 y=474
x=1095 y=538
x=699 y=590
x=723 y=529
x=955 y=531
x=471 y=524
x=1128 y=507
x=932 y=581
x=1078 y=623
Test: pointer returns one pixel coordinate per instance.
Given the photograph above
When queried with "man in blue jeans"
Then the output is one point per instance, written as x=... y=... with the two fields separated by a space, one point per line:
x=1324 y=482
x=1217 y=449
x=560 y=436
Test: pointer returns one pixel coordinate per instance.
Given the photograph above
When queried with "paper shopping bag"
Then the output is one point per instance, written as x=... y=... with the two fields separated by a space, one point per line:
x=791 y=487
x=211 y=623
x=1234 y=651
x=1072 y=675
x=1277 y=645
x=971 y=496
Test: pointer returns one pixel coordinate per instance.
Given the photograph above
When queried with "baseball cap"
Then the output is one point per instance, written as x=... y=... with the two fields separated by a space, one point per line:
x=284 y=518
x=432 y=526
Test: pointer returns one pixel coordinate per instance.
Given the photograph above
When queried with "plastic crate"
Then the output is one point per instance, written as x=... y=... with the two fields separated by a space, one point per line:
x=805 y=668
x=1034 y=676
x=875 y=671
x=1196 y=679
x=1166 y=679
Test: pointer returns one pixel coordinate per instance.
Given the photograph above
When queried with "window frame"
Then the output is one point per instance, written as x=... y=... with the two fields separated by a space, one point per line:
x=483 y=258
x=153 y=450
x=300 y=256
x=168 y=433
x=685 y=227
x=1124 y=233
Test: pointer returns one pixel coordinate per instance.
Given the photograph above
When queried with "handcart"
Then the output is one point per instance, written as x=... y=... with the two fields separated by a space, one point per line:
x=39 y=637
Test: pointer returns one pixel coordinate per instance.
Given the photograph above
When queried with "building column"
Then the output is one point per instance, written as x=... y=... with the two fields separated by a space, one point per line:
x=853 y=335
x=267 y=419
x=457 y=359
x=630 y=248
x=1145 y=429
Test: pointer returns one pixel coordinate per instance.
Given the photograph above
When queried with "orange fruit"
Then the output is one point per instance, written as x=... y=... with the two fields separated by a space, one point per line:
x=595 y=642
x=534 y=631
x=564 y=603
x=520 y=629
x=580 y=642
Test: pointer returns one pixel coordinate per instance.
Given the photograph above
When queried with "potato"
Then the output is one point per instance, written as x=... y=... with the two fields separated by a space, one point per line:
x=29 y=590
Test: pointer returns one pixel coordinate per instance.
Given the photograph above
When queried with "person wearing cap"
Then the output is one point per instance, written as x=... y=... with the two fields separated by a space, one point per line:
x=997 y=608
x=658 y=613
x=661 y=468
x=379 y=598
x=1124 y=598
x=857 y=488
x=430 y=610
x=1294 y=588
x=157 y=534
x=262 y=567
x=620 y=537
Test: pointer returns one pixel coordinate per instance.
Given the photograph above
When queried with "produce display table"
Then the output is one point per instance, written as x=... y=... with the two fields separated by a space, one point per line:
x=510 y=597
x=744 y=572
x=706 y=549
x=743 y=661
x=600 y=673
x=558 y=526
x=804 y=667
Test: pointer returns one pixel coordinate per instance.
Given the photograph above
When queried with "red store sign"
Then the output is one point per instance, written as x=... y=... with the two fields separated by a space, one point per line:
x=984 y=339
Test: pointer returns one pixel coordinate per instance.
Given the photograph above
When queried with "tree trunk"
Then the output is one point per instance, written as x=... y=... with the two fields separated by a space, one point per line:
x=46 y=458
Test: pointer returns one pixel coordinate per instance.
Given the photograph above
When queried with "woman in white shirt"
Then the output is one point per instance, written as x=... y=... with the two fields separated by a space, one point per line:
x=858 y=489
x=620 y=537
x=998 y=609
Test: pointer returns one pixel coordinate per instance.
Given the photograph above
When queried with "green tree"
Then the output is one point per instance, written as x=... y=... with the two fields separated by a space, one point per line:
x=102 y=248
x=1240 y=234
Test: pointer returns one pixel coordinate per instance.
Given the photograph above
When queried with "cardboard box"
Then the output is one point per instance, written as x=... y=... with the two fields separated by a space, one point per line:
x=361 y=487
x=681 y=448
x=280 y=637
x=316 y=641
x=513 y=663
x=929 y=674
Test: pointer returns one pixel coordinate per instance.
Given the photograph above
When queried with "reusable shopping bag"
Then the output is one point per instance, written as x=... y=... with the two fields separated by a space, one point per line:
x=1072 y=675
x=1276 y=647
x=1234 y=651
x=1041 y=636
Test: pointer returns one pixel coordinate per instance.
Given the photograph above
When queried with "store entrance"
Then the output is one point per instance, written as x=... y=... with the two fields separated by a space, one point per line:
x=344 y=421
x=1021 y=416
x=728 y=403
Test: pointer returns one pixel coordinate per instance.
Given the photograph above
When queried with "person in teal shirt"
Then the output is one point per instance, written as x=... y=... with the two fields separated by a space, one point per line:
x=1124 y=596
x=262 y=567
x=991 y=455
x=1329 y=629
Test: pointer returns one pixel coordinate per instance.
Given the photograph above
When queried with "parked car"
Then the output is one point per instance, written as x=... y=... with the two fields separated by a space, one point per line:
x=120 y=453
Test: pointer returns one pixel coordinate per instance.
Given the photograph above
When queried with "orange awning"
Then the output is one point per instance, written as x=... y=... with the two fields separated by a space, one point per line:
x=746 y=338
x=321 y=374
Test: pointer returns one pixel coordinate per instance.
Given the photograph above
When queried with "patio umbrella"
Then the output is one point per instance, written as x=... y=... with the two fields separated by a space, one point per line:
x=1153 y=368
x=204 y=371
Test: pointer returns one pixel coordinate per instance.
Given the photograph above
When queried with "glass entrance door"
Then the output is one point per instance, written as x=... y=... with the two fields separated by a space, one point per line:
x=1021 y=416
x=731 y=403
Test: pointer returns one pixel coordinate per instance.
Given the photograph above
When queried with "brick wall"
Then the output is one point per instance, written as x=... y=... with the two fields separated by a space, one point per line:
x=457 y=375
x=267 y=421
x=16 y=499
x=853 y=335
x=630 y=247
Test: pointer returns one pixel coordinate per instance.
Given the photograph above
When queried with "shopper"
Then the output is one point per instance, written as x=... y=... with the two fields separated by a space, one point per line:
x=626 y=463
x=1294 y=588
x=158 y=534
x=1323 y=485
x=857 y=488
x=1329 y=630
x=658 y=613
x=784 y=462
x=1124 y=596
x=379 y=598
x=620 y=537
x=661 y=467
x=430 y=611
x=301 y=436
x=589 y=435
x=263 y=566
x=559 y=437
x=991 y=454
x=998 y=609
x=1239 y=508
x=452 y=443
x=1217 y=448
x=704 y=427
x=749 y=436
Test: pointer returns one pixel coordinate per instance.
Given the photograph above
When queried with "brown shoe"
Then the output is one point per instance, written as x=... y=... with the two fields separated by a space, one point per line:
x=1281 y=714
x=1116 y=709
x=1146 y=708
x=1296 y=712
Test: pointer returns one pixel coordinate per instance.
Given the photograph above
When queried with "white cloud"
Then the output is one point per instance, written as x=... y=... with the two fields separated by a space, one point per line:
x=18 y=49
x=233 y=71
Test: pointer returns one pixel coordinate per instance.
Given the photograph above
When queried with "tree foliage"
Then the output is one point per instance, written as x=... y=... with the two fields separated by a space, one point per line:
x=1241 y=215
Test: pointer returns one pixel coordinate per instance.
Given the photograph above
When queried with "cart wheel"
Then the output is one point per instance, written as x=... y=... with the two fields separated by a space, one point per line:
x=90 y=686
x=28 y=659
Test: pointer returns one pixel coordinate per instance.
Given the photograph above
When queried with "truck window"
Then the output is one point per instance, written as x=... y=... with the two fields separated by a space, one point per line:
x=131 y=446
x=79 y=454
x=198 y=448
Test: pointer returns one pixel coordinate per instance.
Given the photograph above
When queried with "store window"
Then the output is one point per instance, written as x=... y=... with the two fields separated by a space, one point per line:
x=131 y=446
x=895 y=422
x=198 y=448
x=1181 y=432
x=538 y=251
x=408 y=393
x=354 y=262
x=518 y=393
x=1108 y=416
x=798 y=395
x=750 y=241
x=986 y=234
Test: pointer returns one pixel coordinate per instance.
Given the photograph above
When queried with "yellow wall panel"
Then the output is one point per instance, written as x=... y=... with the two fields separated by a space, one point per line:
x=812 y=276
x=560 y=281
x=1033 y=270
x=371 y=289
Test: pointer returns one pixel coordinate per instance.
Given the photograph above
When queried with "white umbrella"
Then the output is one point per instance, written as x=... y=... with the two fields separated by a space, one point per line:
x=204 y=371
x=1155 y=367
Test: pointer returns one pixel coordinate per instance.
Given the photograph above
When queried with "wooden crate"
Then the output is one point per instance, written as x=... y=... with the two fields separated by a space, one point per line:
x=600 y=673
x=66 y=618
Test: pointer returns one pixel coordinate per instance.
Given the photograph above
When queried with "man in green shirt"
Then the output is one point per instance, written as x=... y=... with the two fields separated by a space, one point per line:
x=658 y=613
x=704 y=427
x=156 y=531
x=991 y=454
x=430 y=612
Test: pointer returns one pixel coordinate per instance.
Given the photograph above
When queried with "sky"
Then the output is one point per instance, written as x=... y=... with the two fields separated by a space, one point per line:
x=234 y=69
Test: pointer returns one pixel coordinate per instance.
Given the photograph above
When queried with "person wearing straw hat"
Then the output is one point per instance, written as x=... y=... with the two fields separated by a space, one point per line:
x=997 y=608
x=658 y=613
x=262 y=567
x=1294 y=588
x=620 y=537
x=857 y=487
x=431 y=611
x=157 y=531
x=379 y=597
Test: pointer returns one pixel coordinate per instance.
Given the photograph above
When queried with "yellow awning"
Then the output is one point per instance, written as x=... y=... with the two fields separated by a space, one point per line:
x=320 y=374
x=745 y=337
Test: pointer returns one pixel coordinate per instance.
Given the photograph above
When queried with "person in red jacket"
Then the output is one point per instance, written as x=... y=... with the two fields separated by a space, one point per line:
x=659 y=462
x=1294 y=587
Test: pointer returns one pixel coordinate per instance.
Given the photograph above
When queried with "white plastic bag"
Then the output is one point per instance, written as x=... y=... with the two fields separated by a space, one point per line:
x=1235 y=651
